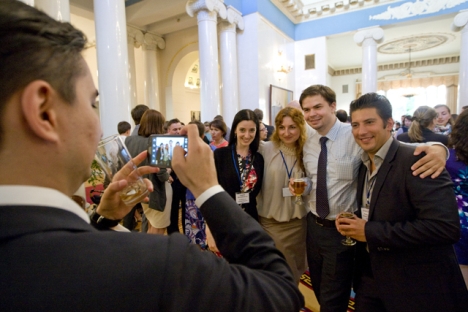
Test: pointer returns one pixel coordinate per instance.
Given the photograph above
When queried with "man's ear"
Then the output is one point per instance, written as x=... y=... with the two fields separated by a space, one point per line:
x=390 y=124
x=38 y=104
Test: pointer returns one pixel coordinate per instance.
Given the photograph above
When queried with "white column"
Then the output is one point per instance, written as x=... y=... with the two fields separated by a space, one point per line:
x=228 y=51
x=30 y=2
x=207 y=12
x=58 y=9
x=459 y=24
x=112 y=55
x=152 y=43
x=134 y=40
x=368 y=39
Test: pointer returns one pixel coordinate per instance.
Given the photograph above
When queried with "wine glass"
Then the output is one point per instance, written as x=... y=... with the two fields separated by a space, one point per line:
x=348 y=241
x=299 y=186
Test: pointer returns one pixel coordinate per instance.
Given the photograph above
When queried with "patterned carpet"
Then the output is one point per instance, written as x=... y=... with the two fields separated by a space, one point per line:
x=311 y=304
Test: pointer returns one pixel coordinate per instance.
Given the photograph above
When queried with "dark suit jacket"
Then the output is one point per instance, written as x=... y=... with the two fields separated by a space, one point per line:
x=412 y=226
x=229 y=180
x=270 y=130
x=428 y=136
x=51 y=260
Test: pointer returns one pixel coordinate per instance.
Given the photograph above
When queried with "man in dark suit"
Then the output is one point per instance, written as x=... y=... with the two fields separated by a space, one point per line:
x=405 y=260
x=52 y=258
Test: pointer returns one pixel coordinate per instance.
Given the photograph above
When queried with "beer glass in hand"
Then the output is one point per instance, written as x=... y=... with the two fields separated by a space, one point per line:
x=299 y=186
x=348 y=241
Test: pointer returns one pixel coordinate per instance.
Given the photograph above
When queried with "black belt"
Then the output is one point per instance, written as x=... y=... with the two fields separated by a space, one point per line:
x=324 y=222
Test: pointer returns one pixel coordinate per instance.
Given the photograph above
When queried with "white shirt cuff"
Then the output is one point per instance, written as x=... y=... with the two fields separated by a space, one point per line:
x=207 y=194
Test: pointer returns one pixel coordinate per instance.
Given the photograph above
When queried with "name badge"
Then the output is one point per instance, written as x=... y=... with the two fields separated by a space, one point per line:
x=286 y=192
x=365 y=213
x=242 y=198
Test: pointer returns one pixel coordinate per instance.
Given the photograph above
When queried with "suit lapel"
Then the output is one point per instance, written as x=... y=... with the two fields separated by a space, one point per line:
x=360 y=186
x=382 y=175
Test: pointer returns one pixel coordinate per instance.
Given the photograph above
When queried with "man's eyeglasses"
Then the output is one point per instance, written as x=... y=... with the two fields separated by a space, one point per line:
x=264 y=129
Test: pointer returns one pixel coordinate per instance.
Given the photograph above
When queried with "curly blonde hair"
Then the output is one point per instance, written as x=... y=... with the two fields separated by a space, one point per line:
x=298 y=118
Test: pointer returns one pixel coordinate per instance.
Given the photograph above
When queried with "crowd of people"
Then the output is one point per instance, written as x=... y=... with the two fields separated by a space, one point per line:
x=235 y=188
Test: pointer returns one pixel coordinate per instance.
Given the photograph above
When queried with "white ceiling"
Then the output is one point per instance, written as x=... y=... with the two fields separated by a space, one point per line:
x=163 y=17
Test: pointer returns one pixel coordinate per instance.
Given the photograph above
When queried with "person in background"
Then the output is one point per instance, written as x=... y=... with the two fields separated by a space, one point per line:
x=263 y=132
x=137 y=112
x=342 y=115
x=444 y=120
x=457 y=166
x=218 y=132
x=195 y=226
x=278 y=214
x=239 y=165
x=269 y=128
x=157 y=210
x=405 y=226
x=178 y=189
x=397 y=126
x=228 y=130
x=124 y=129
x=207 y=131
x=421 y=130
x=405 y=125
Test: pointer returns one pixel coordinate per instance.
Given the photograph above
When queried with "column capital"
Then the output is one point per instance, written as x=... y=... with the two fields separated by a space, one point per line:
x=460 y=20
x=235 y=17
x=136 y=35
x=194 y=6
x=152 y=41
x=375 y=33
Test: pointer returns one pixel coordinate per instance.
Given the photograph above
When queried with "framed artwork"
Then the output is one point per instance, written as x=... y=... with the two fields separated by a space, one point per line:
x=195 y=115
x=279 y=98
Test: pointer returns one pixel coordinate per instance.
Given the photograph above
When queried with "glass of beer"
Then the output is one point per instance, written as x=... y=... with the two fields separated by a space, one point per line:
x=299 y=186
x=348 y=241
x=112 y=155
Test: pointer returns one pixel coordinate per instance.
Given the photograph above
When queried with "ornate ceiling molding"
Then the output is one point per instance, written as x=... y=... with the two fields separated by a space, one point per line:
x=419 y=7
x=416 y=43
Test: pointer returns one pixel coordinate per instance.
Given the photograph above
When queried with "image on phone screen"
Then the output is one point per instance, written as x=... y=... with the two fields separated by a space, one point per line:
x=161 y=149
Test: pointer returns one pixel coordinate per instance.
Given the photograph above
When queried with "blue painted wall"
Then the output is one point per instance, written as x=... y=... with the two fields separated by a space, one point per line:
x=328 y=25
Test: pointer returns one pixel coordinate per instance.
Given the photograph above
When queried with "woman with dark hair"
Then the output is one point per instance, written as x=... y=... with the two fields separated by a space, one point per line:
x=278 y=214
x=239 y=165
x=421 y=130
x=444 y=120
x=457 y=166
x=218 y=131
x=156 y=211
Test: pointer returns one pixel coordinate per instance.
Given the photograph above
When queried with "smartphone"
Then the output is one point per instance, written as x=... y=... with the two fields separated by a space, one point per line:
x=161 y=147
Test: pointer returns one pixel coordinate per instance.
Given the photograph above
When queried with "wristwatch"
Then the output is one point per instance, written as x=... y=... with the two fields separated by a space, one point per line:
x=100 y=222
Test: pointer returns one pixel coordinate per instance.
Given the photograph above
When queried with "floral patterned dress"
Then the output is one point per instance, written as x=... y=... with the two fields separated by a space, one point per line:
x=459 y=173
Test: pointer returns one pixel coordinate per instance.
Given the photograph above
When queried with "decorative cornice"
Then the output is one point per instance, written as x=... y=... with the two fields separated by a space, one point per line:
x=154 y=40
x=376 y=33
x=194 y=6
x=394 y=66
x=136 y=35
x=419 y=7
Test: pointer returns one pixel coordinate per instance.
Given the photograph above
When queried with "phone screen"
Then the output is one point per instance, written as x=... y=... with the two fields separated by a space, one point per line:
x=161 y=149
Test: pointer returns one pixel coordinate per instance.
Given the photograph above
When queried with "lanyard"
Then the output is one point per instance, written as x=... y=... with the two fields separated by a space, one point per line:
x=234 y=160
x=286 y=165
x=369 y=188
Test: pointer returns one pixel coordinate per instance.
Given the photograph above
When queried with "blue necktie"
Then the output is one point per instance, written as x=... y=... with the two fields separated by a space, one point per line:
x=323 y=209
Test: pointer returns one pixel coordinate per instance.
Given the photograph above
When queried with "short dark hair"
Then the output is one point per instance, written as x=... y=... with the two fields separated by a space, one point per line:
x=172 y=121
x=373 y=100
x=218 y=117
x=242 y=115
x=458 y=139
x=152 y=122
x=219 y=124
x=259 y=113
x=123 y=127
x=137 y=113
x=342 y=115
x=327 y=93
x=34 y=46
x=201 y=127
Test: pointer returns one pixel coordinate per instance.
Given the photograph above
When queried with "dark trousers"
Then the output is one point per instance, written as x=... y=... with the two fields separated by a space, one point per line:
x=129 y=220
x=330 y=266
x=178 y=198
